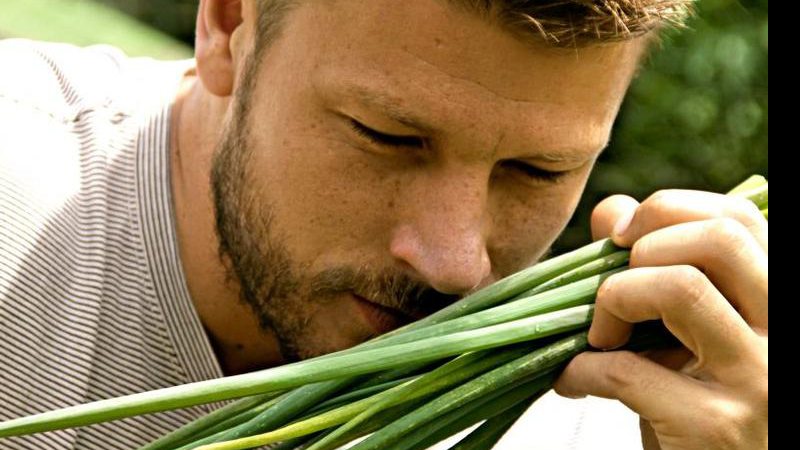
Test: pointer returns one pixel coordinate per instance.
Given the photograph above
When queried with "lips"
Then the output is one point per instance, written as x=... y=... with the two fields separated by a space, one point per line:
x=380 y=318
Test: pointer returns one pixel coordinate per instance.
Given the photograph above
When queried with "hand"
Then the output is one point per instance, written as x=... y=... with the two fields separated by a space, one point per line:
x=699 y=264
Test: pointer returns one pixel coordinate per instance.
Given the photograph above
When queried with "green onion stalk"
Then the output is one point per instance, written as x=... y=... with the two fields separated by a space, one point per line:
x=485 y=358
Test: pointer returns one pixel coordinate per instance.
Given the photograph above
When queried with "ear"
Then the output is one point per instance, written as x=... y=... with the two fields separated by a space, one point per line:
x=214 y=50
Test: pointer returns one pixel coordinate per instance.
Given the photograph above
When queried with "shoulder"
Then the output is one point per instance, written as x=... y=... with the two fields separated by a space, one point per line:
x=44 y=91
x=57 y=79
x=66 y=112
x=64 y=80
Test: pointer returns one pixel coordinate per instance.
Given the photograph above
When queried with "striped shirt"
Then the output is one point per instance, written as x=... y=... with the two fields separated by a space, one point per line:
x=93 y=301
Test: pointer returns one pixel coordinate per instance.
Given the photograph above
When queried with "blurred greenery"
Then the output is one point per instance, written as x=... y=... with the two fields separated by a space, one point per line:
x=695 y=117
x=174 y=17
x=86 y=22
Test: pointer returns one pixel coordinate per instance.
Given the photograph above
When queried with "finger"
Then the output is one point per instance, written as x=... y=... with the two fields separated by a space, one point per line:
x=688 y=304
x=642 y=385
x=684 y=412
x=610 y=211
x=671 y=207
x=724 y=250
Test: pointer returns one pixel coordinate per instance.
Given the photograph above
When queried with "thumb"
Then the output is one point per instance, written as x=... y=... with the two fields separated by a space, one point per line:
x=610 y=212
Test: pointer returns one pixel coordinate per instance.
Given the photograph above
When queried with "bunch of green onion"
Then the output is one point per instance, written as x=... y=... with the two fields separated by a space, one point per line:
x=483 y=359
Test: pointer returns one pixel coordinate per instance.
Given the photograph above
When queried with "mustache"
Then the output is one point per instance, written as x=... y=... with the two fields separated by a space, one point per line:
x=384 y=287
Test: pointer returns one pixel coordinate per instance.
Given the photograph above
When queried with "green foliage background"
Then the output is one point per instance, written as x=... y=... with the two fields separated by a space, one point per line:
x=696 y=117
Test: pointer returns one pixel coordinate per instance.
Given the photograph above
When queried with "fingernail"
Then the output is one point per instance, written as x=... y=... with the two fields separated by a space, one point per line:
x=622 y=224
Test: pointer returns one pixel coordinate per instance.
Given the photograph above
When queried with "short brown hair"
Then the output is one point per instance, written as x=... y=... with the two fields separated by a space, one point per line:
x=580 y=22
x=562 y=23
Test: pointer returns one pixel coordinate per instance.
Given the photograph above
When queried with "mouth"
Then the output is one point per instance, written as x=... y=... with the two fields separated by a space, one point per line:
x=381 y=319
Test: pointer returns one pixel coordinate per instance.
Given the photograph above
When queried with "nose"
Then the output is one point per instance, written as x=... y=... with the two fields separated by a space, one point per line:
x=443 y=235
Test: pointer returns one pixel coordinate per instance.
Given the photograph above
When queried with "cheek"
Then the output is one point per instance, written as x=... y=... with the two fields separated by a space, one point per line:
x=526 y=223
x=324 y=195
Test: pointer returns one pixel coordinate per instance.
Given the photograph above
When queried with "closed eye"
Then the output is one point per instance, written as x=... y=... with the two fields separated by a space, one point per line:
x=533 y=172
x=379 y=138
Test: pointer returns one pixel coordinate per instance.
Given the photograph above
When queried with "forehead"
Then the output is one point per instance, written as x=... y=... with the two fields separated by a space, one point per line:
x=451 y=66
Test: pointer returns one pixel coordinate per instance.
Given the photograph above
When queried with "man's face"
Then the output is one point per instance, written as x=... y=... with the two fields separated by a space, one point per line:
x=396 y=155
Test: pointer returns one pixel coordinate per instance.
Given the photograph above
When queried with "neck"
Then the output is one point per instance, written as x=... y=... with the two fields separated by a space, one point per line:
x=240 y=343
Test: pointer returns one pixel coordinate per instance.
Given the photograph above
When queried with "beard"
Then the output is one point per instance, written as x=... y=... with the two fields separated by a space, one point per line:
x=283 y=296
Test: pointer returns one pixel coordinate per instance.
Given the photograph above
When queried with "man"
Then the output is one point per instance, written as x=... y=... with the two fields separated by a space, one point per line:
x=330 y=170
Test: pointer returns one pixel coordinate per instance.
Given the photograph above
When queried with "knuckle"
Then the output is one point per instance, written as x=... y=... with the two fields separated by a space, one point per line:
x=686 y=278
x=728 y=226
x=658 y=200
x=726 y=236
x=579 y=361
x=690 y=285
x=727 y=423
x=747 y=210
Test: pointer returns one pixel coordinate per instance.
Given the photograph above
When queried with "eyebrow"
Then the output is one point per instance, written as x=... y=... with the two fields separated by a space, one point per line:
x=571 y=154
x=568 y=156
x=390 y=106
